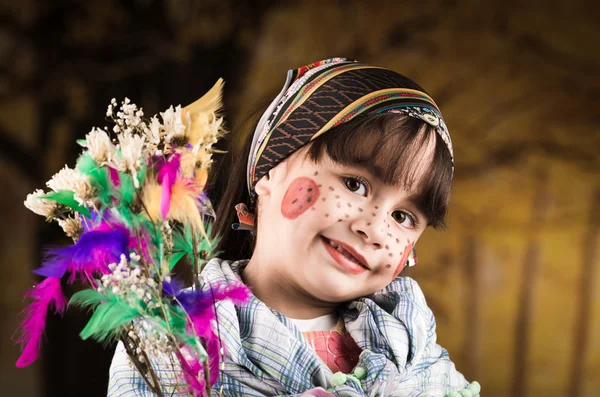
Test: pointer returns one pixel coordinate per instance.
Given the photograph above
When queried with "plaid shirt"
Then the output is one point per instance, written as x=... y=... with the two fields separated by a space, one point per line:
x=266 y=354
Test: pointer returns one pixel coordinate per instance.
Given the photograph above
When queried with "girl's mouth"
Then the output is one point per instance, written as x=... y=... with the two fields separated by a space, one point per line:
x=344 y=258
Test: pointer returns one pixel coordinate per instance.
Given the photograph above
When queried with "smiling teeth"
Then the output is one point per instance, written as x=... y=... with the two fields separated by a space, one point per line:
x=344 y=252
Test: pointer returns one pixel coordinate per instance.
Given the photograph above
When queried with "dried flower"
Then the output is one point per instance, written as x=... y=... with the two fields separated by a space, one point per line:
x=154 y=133
x=71 y=226
x=99 y=145
x=38 y=205
x=130 y=156
x=172 y=122
x=75 y=181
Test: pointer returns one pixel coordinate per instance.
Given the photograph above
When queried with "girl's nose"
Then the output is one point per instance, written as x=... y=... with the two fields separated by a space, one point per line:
x=370 y=230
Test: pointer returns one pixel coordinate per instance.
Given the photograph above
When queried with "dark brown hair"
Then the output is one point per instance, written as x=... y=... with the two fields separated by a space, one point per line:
x=386 y=145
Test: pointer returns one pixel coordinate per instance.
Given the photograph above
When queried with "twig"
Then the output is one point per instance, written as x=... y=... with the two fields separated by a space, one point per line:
x=142 y=368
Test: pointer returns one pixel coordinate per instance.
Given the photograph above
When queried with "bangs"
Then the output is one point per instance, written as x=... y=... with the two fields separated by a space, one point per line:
x=396 y=149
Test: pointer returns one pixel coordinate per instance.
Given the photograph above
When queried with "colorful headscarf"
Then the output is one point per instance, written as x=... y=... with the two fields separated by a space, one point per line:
x=325 y=94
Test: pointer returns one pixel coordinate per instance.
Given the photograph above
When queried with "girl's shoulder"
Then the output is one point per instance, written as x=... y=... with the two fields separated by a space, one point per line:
x=219 y=270
x=404 y=293
x=406 y=286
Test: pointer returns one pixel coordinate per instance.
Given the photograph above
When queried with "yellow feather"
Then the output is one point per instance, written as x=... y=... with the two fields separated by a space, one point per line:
x=151 y=195
x=183 y=208
x=199 y=116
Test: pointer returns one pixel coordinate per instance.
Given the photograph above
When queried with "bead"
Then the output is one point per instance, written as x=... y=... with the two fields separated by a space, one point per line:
x=360 y=373
x=338 y=379
x=466 y=393
x=475 y=387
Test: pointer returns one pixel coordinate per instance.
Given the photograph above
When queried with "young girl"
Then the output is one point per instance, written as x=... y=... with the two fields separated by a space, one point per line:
x=345 y=170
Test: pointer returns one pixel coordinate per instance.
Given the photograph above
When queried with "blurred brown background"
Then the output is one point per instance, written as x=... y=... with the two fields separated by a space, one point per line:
x=513 y=283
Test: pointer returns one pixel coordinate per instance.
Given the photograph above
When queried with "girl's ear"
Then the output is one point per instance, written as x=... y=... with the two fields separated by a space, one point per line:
x=266 y=184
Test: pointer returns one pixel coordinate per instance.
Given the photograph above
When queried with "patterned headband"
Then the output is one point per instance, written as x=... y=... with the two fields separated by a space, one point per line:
x=325 y=94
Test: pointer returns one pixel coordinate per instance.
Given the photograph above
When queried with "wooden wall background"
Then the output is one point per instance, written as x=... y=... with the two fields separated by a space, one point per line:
x=514 y=282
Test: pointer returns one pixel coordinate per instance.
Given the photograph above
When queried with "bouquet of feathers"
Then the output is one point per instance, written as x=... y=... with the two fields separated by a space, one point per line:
x=135 y=206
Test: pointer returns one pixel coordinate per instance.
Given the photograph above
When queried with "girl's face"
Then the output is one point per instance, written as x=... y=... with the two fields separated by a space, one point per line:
x=333 y=232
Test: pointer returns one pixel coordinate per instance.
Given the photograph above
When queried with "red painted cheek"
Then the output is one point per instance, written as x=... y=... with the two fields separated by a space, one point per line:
x=404 y=258
x=302 y=194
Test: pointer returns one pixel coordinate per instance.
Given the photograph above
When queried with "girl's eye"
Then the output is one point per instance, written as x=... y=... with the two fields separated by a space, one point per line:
x=404 y=218
x=356 y=186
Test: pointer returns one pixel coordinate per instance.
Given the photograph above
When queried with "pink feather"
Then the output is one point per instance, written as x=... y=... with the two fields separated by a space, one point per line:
x=192 y=369
x=114 y=176
x=166 y=177
x=238 y=293
x=31 y=330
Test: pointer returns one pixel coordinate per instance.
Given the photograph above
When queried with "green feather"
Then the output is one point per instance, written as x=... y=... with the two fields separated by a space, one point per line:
x=98 y=176
x=110 y=315
x=87 y=298
x=182 y=245
x=177 y=320
x=206 y=245
x=126 y=188
x=67 y=197
x=175 y=258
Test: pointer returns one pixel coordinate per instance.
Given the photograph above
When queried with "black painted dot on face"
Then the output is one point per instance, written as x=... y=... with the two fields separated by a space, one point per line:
x=337 y=196
x=397 y=241
x=294 y=201
x=372 y=213
x=324 y=198
x=300 y=189
x=326 y=215
x=346 y=215
x=360 y=209
x=390 y=254
x=330 y=188
x=316 y=173
x=309 y=189
x=349 y=205
x=387 y=247
x=319 y=185
x=389 y=235
x=388 y=265
x=376 y=207
x=312 y=208
x=368 y=223
x=309 y=199
x=339 y=220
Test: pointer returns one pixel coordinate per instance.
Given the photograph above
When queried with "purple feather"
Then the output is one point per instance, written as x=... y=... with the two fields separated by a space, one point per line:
x=31 y=330
x=92 y=253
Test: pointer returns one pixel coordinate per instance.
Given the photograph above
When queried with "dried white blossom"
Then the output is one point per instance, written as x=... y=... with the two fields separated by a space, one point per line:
x=99 y=145
x=39 y=205
x=75 y=181
x=71 y=226
x=127 y=281
x=154 y=133
x=172 y=123
x=130 y=156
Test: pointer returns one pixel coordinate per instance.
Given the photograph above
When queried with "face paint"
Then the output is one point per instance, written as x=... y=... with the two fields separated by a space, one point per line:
x=404 y=258
x=299 y=197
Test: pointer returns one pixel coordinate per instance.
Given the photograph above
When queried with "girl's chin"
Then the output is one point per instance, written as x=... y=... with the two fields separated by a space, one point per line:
x=331 y=286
